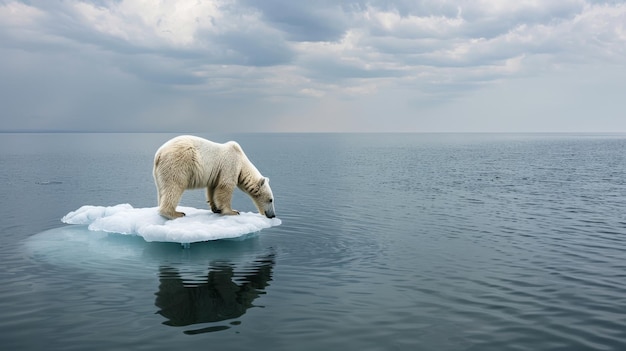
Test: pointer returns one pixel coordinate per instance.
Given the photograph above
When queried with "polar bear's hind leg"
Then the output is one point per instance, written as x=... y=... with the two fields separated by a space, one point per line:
x=168 y=200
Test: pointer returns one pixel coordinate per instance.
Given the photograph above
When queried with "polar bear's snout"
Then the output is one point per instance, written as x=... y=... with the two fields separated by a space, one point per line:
x=266 y=208
x=269 y=213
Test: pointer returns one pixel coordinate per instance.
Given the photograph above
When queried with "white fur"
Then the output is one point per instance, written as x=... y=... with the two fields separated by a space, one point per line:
x=190 y=162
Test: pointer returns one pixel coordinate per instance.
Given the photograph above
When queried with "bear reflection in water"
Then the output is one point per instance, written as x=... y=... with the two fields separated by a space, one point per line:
x=225 y=294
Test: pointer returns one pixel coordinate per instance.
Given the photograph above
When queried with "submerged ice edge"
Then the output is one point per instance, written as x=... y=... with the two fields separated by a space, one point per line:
x=198 y=225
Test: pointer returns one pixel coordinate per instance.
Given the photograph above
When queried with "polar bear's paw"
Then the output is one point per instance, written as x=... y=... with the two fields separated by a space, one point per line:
x=230 y=212
x=173 y=215
x=179 y=214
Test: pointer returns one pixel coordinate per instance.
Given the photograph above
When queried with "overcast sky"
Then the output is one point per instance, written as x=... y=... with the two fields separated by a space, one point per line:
x=311 y=66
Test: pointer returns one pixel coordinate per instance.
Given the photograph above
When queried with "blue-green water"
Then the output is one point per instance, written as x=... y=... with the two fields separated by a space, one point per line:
x=387 y=242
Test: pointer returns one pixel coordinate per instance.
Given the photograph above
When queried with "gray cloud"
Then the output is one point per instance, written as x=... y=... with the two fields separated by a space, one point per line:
x=304 y=21
x=255 y=49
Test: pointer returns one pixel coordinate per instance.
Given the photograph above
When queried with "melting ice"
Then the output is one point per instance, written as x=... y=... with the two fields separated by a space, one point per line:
x=197 y=225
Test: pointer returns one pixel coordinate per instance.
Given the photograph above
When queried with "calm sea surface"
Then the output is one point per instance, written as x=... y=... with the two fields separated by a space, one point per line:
x=387 y=242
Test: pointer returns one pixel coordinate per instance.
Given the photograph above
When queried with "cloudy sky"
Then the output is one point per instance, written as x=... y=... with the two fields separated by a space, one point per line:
x=313 y=66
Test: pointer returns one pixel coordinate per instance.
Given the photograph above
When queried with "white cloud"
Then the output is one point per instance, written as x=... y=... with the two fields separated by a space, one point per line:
x=392 y=23
x=16 y=14
x=150 y=23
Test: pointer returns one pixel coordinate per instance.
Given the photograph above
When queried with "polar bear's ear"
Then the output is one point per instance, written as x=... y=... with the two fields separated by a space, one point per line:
x=261 y=182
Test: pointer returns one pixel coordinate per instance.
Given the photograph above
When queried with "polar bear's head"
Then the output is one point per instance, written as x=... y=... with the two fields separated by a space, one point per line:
x=263 y=198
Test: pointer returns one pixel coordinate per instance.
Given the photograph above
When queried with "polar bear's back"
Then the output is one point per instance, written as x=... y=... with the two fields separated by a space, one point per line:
x=186 y=141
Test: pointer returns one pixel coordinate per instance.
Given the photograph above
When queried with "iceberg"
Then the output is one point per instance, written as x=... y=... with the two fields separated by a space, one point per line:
x=198 y=225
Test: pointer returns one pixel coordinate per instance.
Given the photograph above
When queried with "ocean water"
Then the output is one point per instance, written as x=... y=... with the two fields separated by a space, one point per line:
x=387 y=242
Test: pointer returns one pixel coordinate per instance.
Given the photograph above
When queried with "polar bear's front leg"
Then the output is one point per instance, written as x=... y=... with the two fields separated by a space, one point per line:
x=223 y=196
x=211 y=199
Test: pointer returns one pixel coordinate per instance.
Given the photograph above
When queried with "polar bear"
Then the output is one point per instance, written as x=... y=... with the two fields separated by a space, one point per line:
x=190 y=162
